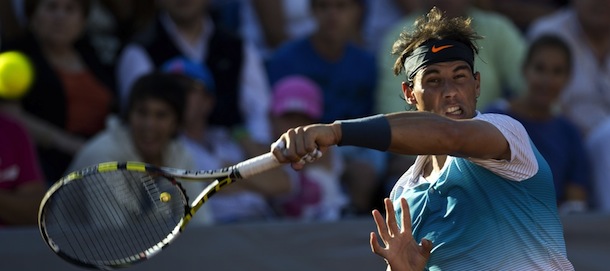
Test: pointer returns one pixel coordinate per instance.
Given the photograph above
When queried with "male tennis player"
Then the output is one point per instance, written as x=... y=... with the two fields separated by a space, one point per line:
x=479 y=196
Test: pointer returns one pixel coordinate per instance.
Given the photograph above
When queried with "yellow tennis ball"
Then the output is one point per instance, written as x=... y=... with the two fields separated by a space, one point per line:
x=165 y=197
x=16 y=75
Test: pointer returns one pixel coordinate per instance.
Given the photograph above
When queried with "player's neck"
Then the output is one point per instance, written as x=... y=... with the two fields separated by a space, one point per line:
x=434 y=165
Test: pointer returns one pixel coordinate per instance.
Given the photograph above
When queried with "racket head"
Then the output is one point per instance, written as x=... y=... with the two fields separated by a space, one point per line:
x=112 y=215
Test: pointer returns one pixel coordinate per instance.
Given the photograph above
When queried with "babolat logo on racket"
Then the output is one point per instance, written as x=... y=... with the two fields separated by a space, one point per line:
x=206 y=172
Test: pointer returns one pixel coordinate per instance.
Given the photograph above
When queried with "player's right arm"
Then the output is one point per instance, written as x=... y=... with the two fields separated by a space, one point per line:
x=412 y=133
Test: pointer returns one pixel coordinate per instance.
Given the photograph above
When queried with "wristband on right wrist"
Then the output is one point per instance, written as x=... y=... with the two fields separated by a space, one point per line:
x=372 y=132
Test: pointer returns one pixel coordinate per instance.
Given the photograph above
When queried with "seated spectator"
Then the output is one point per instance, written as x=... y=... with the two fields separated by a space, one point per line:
x=329 y=57
x=269 y=23
x=22 y=184
x=598 y=148
x=523 y=12
x=381 y=15
x=12 y=21
x=147 y=131
x=546 y=71
x=71 y=96
x=316 y=193
x=186 y=29
x=213 y=147
x=585 y=26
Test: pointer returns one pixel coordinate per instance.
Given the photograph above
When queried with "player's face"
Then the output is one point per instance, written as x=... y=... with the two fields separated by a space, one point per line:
x=546 y=73
x=58 y=22
x=447 y=88
x=153 y=123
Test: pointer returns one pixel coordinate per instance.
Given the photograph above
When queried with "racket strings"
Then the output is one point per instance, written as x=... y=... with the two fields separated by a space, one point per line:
x=112 y=217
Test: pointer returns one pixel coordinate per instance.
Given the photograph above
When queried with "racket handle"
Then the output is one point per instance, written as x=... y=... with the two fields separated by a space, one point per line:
x=257 y=165
x=267 y=161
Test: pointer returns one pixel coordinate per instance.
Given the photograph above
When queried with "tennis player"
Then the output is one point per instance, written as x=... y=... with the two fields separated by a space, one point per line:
x=479 y=195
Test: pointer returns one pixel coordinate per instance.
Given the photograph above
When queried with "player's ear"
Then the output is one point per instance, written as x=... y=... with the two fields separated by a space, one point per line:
x=407 y=91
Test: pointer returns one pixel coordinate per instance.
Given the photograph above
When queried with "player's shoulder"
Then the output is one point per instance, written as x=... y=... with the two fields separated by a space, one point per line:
x=496 y=117
x=503 y=122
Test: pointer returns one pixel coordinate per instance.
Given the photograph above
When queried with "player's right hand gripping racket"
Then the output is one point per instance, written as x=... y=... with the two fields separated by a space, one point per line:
x=116 y=214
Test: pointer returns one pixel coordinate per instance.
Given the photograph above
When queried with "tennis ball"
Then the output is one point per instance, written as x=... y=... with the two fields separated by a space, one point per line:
x=16 y=75
x=165 y=197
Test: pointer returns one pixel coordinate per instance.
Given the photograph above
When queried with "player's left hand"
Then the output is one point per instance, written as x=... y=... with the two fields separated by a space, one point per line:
x=401 y=251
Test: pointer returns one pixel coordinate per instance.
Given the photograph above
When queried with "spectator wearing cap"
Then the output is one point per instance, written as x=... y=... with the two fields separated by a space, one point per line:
x=315 y=193
x=347 y=76
x=212 y=147
x=188 y=29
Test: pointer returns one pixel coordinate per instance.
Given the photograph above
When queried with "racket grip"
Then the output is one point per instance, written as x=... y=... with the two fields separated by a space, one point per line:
x=257 y=165
x=267 y=161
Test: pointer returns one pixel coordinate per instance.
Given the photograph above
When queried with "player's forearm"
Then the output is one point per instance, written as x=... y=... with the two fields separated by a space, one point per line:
x=403 y=133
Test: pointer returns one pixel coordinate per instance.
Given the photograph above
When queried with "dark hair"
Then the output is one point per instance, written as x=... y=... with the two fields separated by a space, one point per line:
x=161 y=86
x=30 y=7
x=433 y=26
x=545 y=41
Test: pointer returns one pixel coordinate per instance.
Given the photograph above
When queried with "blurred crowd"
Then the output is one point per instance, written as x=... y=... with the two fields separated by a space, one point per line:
x=202 y=84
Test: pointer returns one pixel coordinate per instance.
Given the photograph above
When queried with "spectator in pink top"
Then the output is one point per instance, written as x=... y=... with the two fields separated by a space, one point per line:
x=21 y=181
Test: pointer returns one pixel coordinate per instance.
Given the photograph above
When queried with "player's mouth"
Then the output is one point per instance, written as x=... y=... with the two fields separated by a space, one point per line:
x=454 y=112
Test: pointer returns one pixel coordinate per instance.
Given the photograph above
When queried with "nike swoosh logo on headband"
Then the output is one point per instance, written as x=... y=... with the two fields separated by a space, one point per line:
x=438 y=49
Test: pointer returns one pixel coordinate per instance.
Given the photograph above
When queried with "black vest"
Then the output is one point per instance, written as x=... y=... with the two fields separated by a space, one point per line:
x=224 y=59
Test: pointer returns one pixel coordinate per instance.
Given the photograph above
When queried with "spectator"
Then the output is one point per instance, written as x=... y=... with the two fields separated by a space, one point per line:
x=270 y=23
x=585 y=26
x=523 y=12
x=329 y=57
x=12 y=21
x=546 y=71
x=113 y=23
x=147 y=130
x=186 y=29
x=22 y=184
x=316 y=193
x=499 y=61
x=70 y=96
x=381 y=15
x=213 y=147
x=598 y=148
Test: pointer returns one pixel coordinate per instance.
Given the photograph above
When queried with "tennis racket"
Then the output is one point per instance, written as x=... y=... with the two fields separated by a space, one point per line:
x=115 y=214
